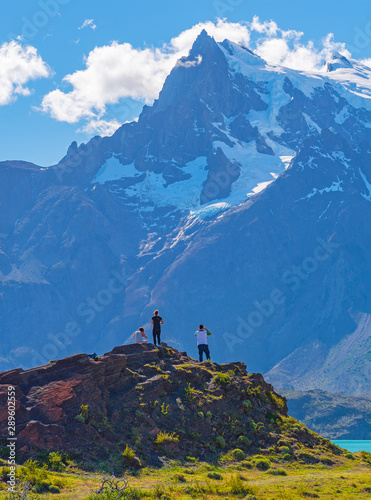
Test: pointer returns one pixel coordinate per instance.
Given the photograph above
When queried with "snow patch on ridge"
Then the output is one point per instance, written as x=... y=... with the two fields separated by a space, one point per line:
x=113 y=170
x=311 y=124
x=182 y=194
x=210 y=210
x=335 y=186
x=368 y=186
x=258 y=70
x=352 y=82
x=257 y=169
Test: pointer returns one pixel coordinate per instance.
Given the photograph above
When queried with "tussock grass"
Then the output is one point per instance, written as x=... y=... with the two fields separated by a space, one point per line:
x=176 y=480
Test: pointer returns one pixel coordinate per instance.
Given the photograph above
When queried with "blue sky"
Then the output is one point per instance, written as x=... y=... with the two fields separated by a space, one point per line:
x=41 y=114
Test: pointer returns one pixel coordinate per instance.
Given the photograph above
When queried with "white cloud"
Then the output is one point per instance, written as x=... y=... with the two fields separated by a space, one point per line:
x=18 y=65
x=100 y=127
x=268 y=27
x=86 y=23
x=118 y=71
x=285 y=48
x=366 y=62
x=190 y=64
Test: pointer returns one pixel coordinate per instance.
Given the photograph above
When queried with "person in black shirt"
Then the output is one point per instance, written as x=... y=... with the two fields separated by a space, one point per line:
x=156 y=322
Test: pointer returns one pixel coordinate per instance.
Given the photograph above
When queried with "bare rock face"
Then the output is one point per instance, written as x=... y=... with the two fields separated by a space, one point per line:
x=129 y=396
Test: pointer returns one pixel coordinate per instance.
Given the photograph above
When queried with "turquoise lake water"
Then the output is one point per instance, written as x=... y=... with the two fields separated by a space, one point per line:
x=352 y=446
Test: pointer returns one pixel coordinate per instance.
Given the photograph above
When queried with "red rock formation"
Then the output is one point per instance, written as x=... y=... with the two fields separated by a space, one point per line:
x=129 y=395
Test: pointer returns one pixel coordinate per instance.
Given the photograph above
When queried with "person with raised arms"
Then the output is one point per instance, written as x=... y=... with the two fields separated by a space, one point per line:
x=202 y=333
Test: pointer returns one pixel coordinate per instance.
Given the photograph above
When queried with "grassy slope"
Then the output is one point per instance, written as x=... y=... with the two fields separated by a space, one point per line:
x=347 y=478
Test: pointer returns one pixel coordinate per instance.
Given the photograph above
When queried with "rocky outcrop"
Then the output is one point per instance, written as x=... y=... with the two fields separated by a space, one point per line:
x=157 y=400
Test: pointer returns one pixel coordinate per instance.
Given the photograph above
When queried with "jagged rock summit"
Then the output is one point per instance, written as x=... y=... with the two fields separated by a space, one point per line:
x=157 y=400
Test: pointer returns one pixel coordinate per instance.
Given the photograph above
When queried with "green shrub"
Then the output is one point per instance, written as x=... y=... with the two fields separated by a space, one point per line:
x=54 y=489
x=200 y=415
x=128 y=455
x=222 y=379
x=308 y=458
x=284 y=449
x=179 y=478
x=278 y=401
x=135 y=437
x=215 y=475
x=164 y=409
x=238 y=487
x=190 y=391
x=246 y=464
x=83 y=414
x=246 y=404
x=220 y=441
x=165 y=437
x=238 y=454
x=58 y=482
x=277 y=472
x=273 y=417
x=287 y=456
x=42 y=486
x=158 y=491
x=244 y=440
x=32 y=472
x=55 y=461
x=4 y=474
x=262 y=463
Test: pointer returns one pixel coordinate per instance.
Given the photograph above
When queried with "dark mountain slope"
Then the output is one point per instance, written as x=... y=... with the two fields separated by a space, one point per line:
x=165 y=213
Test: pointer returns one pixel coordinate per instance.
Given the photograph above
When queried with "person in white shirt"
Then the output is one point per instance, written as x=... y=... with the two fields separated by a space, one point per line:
x=202 y=334
x=140 y=336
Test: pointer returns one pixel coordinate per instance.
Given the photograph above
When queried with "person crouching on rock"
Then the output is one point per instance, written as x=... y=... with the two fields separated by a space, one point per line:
x=202 y=334
x=140 y=336
x=157 y=321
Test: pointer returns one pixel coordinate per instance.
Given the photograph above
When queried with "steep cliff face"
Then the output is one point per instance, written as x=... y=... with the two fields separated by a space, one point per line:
x=159 y=401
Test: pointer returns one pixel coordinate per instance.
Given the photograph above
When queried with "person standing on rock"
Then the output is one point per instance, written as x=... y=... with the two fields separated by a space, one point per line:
x=140 y=336
x=202 y=333
x=157 y=321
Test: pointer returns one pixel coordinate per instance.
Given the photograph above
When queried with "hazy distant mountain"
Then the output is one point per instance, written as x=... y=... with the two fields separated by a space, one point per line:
x=240 y=199
x=334 y=416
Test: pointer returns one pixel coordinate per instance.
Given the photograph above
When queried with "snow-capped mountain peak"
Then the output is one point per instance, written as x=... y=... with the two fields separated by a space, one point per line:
x=338 y=61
